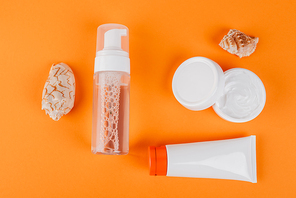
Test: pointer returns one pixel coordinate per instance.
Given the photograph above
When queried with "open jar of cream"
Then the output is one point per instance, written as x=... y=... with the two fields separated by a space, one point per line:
x=237 y=95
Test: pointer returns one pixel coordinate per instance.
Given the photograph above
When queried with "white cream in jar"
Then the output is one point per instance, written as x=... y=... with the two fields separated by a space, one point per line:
x=243 y=98
x=237 y=95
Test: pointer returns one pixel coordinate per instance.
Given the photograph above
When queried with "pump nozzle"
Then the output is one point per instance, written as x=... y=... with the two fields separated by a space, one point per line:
x=112 y=52
x=112 y=39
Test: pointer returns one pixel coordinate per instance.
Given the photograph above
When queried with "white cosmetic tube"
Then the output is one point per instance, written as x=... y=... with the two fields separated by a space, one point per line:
x=233 y=159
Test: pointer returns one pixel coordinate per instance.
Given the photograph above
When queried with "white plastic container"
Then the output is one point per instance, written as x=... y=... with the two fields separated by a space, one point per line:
x=198 y=83
x=110 y=133
x=237 y=95
x=233 y=159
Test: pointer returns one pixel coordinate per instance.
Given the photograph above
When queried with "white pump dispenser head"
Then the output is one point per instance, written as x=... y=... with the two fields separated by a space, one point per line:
x=112 y=48
x=112 y=39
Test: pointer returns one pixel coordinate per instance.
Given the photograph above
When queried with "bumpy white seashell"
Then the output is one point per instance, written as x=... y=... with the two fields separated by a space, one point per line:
x=59 y=91
x=238 y=43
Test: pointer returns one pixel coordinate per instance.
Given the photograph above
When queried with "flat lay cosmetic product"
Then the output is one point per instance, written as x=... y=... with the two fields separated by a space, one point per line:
x=233 y=159
x=238 y=43
x=243 y=98
x=59 y=91
x=198 y=83
x=238 y=95
x=110 y=132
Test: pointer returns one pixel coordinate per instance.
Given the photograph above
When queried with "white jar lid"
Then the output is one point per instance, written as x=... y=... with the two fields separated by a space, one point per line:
x=238 y=95
x=198 y=83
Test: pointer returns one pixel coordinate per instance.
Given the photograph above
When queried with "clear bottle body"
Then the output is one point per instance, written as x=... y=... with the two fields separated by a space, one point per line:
x=110 y=131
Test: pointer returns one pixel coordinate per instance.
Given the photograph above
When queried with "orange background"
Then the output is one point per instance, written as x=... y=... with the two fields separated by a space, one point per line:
x=43 y=158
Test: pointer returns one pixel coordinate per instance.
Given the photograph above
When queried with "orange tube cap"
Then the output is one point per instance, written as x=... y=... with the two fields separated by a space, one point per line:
x=157 y=160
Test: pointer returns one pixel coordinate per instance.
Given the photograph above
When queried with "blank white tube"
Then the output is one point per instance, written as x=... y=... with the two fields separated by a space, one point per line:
x=233 y=159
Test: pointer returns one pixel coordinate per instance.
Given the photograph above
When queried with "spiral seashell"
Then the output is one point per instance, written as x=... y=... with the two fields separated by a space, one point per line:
x=238 y=43
x=59 y=91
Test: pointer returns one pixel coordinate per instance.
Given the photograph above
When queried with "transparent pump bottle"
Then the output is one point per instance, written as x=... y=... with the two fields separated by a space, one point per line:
x=110 y=133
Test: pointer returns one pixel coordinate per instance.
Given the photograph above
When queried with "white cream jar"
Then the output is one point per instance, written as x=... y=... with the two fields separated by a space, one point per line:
x=238 y=95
